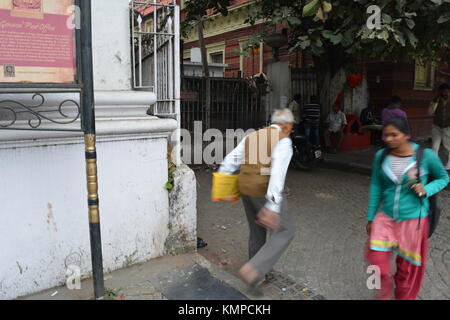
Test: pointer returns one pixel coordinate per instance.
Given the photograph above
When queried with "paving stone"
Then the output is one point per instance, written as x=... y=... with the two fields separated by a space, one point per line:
x=199 y=284
x=327 y=253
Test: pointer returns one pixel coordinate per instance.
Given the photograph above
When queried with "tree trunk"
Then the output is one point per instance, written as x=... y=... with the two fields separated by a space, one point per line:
x=330 y=82
x=201 y=39
x=323 y=86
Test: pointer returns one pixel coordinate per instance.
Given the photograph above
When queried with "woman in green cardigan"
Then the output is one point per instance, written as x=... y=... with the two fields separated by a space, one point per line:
x=398 y=210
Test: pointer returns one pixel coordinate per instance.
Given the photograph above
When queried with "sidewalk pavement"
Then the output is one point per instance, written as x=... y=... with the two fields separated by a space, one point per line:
x=358 y=161
x=182 y=277
x=328 y=210
x=361 y=161
x=193 y=277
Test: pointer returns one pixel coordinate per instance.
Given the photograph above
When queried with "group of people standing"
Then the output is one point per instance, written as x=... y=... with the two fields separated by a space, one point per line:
x=308 y=117
x=404 y=178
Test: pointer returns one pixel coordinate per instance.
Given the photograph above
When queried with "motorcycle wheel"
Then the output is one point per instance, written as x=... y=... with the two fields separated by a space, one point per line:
x=302 y=164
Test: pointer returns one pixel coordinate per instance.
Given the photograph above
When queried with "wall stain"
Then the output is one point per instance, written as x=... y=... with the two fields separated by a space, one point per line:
x=50 y=217
x=20 y=268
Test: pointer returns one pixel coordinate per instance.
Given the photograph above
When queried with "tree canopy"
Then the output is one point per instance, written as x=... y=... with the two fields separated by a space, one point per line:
x=338 y=30
x=339 y=33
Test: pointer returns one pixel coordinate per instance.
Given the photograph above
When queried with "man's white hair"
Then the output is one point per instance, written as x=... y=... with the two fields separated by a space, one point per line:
x=283 y=116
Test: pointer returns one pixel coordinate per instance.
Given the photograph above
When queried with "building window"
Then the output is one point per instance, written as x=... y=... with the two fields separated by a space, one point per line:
x=216 y=57
x=253 y=62
x=149 y=26
x=423 y=76
x=216 y=52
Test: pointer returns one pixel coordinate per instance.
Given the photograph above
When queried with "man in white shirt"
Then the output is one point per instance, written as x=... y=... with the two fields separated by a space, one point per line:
x=336 y=123
x=263 y=159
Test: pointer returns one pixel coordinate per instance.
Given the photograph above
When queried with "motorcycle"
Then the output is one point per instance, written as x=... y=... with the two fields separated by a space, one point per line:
x=306 y=156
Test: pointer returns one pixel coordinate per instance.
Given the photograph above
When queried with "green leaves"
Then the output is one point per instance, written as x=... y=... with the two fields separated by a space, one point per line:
x=305 y=44
x=349 y=37
x=364 y=32
x=319 y=43
x=326 y=6
x=385 y=18
x=410 y=23
x=412 y=38
x=170 y=183
x=311 y=8
x=336 y=39
x=327 y=34
x=252 y=16
x=328 y=28
x=294 y=21
x=384 y=35
x=400 y=38
x=400 y=5
x=444 y=18
x=410 y=14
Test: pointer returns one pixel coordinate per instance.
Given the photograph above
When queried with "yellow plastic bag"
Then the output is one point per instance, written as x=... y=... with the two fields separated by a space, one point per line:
x=225 y=187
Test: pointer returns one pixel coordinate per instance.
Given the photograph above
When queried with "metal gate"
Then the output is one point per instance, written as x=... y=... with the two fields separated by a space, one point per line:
x=235 y=103
x=156 y=29
x=304 y=83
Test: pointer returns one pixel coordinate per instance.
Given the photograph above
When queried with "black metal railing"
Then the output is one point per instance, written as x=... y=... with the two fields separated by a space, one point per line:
x=235 y=103
x=304 y=83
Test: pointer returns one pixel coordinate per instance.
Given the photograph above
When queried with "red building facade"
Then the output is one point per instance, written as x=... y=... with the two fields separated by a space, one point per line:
x=415 y=84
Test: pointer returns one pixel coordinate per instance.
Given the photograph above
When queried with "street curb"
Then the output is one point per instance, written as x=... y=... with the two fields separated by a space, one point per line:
x=346 y=166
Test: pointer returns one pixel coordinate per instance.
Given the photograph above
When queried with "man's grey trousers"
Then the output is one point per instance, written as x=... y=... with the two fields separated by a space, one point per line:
x=264 y=253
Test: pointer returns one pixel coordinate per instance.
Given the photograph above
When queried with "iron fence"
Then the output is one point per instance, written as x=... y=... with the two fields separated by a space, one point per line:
x=156 y=29
x=304 y=83
x=235 y=103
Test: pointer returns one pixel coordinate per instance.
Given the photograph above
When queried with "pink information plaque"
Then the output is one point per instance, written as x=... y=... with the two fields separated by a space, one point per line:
x=37 y=41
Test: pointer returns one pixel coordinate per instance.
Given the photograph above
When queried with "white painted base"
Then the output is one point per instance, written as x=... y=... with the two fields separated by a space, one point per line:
x=183 y=212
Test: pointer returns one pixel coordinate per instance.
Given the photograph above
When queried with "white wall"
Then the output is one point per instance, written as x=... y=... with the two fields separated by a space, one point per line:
x=43 y=194
x=111 y=45
x=280 y=81
x=45 y=218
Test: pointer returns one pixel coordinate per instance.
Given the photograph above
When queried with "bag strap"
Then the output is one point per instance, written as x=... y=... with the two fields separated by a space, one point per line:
x=419 y=158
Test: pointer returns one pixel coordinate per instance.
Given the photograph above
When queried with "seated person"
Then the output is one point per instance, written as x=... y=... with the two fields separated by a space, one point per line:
x=367 y=117
x=369 y=122
x=336 y=121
